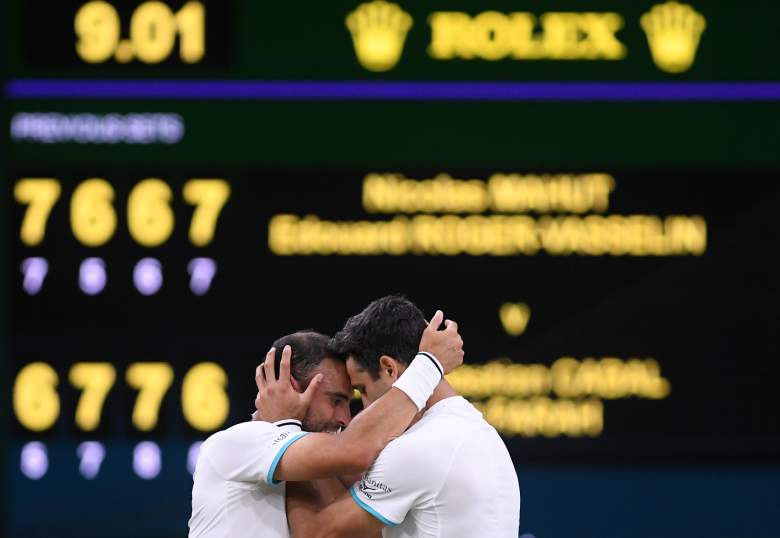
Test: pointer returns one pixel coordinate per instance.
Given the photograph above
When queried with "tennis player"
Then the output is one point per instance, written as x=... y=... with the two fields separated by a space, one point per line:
x=239 y=480
x=448 y=476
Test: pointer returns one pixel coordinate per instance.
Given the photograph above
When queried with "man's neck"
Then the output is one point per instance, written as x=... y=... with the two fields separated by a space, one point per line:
x=442 y=391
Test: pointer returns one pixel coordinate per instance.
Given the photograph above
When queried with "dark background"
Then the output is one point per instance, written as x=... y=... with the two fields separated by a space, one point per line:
x=703 y=462
x=708 y=320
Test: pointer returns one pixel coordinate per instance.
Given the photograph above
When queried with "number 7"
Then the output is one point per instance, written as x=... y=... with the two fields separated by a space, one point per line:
x=95 y=379
x=209 y=196
x=152 y=379
x=40 y=194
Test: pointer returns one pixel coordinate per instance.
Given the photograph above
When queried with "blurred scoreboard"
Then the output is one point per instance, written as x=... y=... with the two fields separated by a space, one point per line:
x=590 y=190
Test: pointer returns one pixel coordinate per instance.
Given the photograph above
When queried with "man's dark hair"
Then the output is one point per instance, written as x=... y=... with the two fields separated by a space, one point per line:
x=391 y=326
x=309 y=349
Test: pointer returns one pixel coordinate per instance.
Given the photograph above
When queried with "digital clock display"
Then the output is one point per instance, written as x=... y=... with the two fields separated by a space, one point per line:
x=153 y=32
x=125 y=33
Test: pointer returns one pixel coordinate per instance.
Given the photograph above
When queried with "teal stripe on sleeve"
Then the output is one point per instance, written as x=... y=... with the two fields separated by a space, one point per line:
x=285 y=446
x=370 y=510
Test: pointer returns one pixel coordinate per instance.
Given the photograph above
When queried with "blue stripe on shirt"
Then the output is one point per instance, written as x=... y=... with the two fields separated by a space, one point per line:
x=370 y=510
x=272 y=469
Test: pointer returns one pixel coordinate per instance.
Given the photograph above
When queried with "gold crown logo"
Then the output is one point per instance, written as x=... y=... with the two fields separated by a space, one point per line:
x=673 y=32
x=378 y=31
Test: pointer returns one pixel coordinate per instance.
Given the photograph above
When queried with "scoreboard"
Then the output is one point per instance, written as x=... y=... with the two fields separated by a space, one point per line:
x=589 y=189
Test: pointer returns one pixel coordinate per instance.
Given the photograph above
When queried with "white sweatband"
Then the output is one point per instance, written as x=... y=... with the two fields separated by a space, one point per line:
x=421 y=378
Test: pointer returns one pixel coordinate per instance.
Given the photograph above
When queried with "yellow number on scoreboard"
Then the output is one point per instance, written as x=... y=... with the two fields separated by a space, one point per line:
x=92 y=217
x=40 y=195
x=149 y=214
x=152 y=379
x=97 y=27
x=209 y=196
x=153 y=30
x=203 y=398
x=95 y=379
x=36 y=403
x=191 y=20
x=150 y=217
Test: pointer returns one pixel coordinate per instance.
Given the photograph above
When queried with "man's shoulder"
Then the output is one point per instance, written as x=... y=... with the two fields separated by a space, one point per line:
x=448 y=420
x=427 y=442
x=245 y=452
x=430 y=443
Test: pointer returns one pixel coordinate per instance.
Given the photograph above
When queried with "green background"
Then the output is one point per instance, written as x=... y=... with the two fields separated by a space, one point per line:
x=309 y=41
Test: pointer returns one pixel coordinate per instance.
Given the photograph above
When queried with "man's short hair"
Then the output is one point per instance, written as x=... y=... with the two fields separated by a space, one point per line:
x=390 y=326
x=309 y=349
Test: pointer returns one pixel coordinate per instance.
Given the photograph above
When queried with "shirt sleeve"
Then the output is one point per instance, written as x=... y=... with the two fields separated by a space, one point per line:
x=250 y=452
x=393 y=485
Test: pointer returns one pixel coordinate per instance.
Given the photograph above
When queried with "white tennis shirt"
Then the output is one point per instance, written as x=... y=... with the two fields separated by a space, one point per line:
x=448 y=476
x=234 y=494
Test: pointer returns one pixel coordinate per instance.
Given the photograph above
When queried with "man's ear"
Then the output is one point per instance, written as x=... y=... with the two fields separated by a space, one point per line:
x=389 y=366
x=295 y=384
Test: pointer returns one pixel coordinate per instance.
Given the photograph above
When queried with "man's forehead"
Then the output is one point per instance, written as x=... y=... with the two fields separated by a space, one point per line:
x=357 y=374
x=354 y=366
x=334 y=374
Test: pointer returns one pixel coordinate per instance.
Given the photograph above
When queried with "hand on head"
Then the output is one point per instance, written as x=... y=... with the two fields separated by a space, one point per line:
x=446 y=345
x=277 y=398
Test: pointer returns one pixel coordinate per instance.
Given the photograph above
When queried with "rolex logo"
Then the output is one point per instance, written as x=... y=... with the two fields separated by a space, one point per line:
x=378 y=31
x=673 y=32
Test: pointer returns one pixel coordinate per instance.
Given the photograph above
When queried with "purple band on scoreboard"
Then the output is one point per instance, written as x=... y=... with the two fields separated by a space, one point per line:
x=395 y=91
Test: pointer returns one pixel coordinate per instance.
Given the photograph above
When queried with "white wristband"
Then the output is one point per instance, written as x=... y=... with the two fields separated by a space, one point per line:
x=420 y=379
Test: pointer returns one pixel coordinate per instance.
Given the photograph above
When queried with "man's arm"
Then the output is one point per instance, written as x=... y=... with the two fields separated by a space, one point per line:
x=342 y=519
x=403 y=476
x=352 y=451
x=322 y=455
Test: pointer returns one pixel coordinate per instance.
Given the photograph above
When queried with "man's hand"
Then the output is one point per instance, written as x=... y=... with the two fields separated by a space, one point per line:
x=278 y=399
x=446 y=345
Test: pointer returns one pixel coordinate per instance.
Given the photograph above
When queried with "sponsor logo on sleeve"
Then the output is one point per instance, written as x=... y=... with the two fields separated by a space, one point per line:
x=371 y=488
x=282 y=436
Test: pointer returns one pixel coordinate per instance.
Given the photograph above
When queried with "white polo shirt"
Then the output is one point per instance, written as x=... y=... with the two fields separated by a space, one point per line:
x=448 y=476
x=234 y=494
